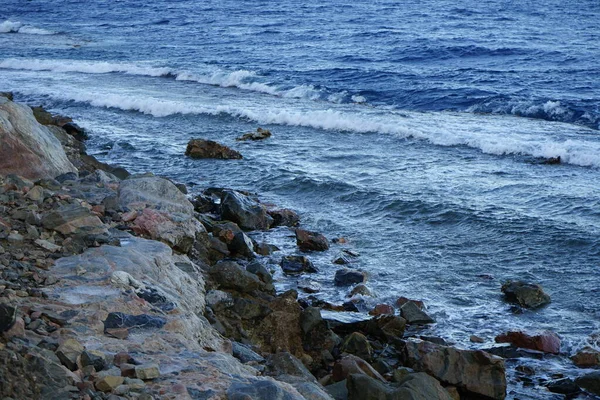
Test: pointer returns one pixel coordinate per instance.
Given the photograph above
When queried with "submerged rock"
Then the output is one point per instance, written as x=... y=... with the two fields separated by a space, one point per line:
x=260 y=134
x=526 y=295
x=587 y=357
x=200 y=148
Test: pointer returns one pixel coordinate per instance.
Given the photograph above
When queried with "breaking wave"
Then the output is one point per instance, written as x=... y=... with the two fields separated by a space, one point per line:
x=18 y=27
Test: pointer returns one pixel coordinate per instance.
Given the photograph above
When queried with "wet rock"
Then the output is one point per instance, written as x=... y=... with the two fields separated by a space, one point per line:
x=118 y=320
x=547 y=342
x=419 y=386
x=361 y=289
x=284 y=217
x=244 y=210
x=590 y=382
x=260 y=134
x=258 y=269
x=245 y=354
x=94 y=358
x=242 y=246
x=472 y=371
x=309 y=286
x=147 y=371
x=142 y=191
x=563 y=386
x=311 y=241
x=526 y=295
x=225 y=230
x=28 y=148
x=73 y=218
x=348 y=276
x=68 y=352
x=200 y=148
x=293 y=265
x=383 y=327
x=476 y=339
x=109 y=383
x=8 y=316
x=341 y=260
x=76 y=131
x=382 y=309
x=586 y=357
x=265 y=249
x=356 y=343
x=230 y=275
x=351 y=364
x=414 y=315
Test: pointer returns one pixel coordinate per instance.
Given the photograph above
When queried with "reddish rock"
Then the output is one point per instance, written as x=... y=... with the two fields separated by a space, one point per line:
x=547 y=342
x=200 y=148
x=382 y=309
x=587 y=357
x=311 y=241
x=403 y=300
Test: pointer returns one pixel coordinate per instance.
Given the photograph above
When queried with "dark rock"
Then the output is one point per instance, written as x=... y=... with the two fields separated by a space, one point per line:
x=547 y=342
x=8 y=316
x=551 y=161
x=563 y=386
x=200 y=148
x=242 y=246
x=230 y=275
x=265 y=249
x=311 y=241
x=118 y=320
x=356 y=343
x=283 y=363
x=413 y=315
x=419 y=386
x=68 y=352
x=587 y=357
x=590 y=382
x=76 y=131
x=384 y=327
x=42 y=116
x=284 y=217
x=341 y=260
x=94 y=358
x=205 y=204
x=8 y=95
x=245 y=211
x=225 y=231
x=348 y=276
x=152 y=296
x=338 y=390
x=258 y=269
x=245 y=354
x=294 y=265
x=526 y=295
x=260 y=134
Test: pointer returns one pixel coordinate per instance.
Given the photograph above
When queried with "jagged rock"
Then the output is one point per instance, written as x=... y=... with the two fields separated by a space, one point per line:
x=283 y=363
x=147 y=371
x=284 y=217
x=419 y=386
x=76 y=131
x=382 y=309
x=590 y=382
x=27 y=148
x=94 y=358
x=526 y=295
x=311 y=241
x=73 y=218
x=109 y=383
x=294 y=265
x=139 y=192
x=585 y=358
x=68 y=352
x=356 y=343
x=548 y=342
x=118 y=320
x=414 y=315
x=260 y=134
x=245 y=211
x=245 y=354
x=242 y=245
x=564 y=386
x=8 y=316
x=348 y=276
x=200 y=148
x=230 y=275
x=476 y=371
x=351 y=364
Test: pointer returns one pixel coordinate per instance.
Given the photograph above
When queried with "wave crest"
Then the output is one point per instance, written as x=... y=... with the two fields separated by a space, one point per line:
x=18 y=27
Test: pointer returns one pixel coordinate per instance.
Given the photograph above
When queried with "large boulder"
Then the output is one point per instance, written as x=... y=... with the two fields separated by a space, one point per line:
x=547 y=342
x=200 y=148
x=244 y=210
x=143 y=191
x=590 y=382
x=527 y=295
x=231 y=275
x=419 y=386
x=473 y=371
x=27 y=148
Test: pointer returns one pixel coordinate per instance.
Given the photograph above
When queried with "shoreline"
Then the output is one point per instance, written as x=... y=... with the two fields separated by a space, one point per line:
x=145 y=278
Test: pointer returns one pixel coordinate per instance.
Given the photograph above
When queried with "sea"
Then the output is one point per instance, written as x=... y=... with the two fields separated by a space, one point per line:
x=416 y=130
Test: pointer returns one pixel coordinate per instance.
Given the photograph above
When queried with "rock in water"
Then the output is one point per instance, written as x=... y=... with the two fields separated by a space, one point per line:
x=297 y=265
x=348 y=276
x=590 y=382
x=548 y=342
x=311 y=241
x=527 y=295
x=27 y=148
x=245 y=211
x=260 y=134
x=200 y=148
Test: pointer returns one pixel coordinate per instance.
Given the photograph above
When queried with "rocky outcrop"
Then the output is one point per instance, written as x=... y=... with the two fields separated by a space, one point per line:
x=200 y=148
x=28 y=148
x=527 y=295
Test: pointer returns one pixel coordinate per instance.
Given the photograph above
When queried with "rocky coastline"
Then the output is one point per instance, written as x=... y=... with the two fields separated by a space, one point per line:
x=119 y=286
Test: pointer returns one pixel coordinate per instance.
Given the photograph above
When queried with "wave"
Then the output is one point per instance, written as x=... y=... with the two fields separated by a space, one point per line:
x=501 y=135
x=18 y=27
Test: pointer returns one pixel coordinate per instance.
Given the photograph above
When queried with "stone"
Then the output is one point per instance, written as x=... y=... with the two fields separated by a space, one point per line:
x=147 y=371
x=73 y=218
x=260 y=134
x=294 y=265
x=360 y=289
x=76 y=131
x=27 y=148
x=68 y=352
x=311 y=241
x=230 y=275
x=283 y=363
x=242 y=246
x=476 y=339
x=414 y=315
x=94 y=358
x=46 y=245
x=8 y=316
x=527 y=295
x=69 y=176
x=473 y=371
x=225 y=230
x=403 y=300
x=585 y=358
x=417 y=386
x=245 y=354
x=356 y=343
x=262 y=389
x=177 y=232
x=309 y=286
x=564 y=386
x=350 y=364
x=258 y=269
x=547 y=342
x=118 y=320
x=341 y=260
x=141 y=191
x=590 y=382
x=16 y=330
x=382 y=309
x=109 y=383
x=201 y=148
x=42 y=116
x=244 y=210
x=348 y=276
x=8 y=95
x=36 y=194
x=284 y=217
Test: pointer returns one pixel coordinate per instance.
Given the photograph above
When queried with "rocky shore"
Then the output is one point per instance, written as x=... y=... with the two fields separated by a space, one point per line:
x=119 y=286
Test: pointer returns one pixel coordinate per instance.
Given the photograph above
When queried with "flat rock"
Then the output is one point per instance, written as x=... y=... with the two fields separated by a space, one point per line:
x=139 y=192
x=201 y=148
x=118 y=320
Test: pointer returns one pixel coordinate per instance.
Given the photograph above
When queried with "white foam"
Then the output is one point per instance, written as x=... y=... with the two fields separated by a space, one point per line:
x=87 y=67
x=18 y=27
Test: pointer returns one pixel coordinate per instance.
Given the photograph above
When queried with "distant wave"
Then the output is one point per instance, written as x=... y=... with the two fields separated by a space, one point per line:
x=241 y=79
x=18 y=27
x=501 y=137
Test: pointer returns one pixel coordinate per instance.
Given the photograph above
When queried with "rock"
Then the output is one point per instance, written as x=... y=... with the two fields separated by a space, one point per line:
x=474 y=371
x=547 y=342
x=590 y=382
x=309 y=286
x=348 y=276
x=15 y=237
x=265 y=249
x=284 y=217
x=413 y=315
x=230 y=275
x=563 y=386
x=341 y=260
x=76 y=131
x=350 y=364
x=311 y=241
x=200 y=148
x=585 y=358
x=419 y=386
x=293 y=265
x=94 y=358
x=283 y=363
x=360 y=289
x=109 y=383
x=147 y=371
x=118 y=320
x=68 y=352
x=260 y=134
x=382 y=309
x=46 y=245
x=242 y=246
x=28 y=149
x=8 y=95
x=225 y=230
x=69 y=176
x=403 y=300
x=551 y=161
x=139 y=192
x=72 y=219
x=526 y=295
x=357 y=343
x=36 y=194
x=245 y=354
x=383 y=327
x=245 y=211
x=8 y=316
x=262 y=389
x=17 y=329
x=476 y=339
x=258 y=269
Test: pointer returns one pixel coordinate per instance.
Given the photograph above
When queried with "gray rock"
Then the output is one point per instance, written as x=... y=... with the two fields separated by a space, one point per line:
x=154 y=192
x=414 y=315
x=230 y=275
x=293 y=265
x=356 y=343
x=245 y=211
x=348 y=276
x=262 y=389
x=245 y=354
x=242 y=245
x=258 y=269
x=338 y=390
x=414 y=387
x=201 y=148
x=283 y=363
x=526 y=295
x=73 y=218
x=590 y=382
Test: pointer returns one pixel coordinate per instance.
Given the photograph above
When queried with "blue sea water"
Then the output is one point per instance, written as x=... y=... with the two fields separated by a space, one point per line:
x=413 y=129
